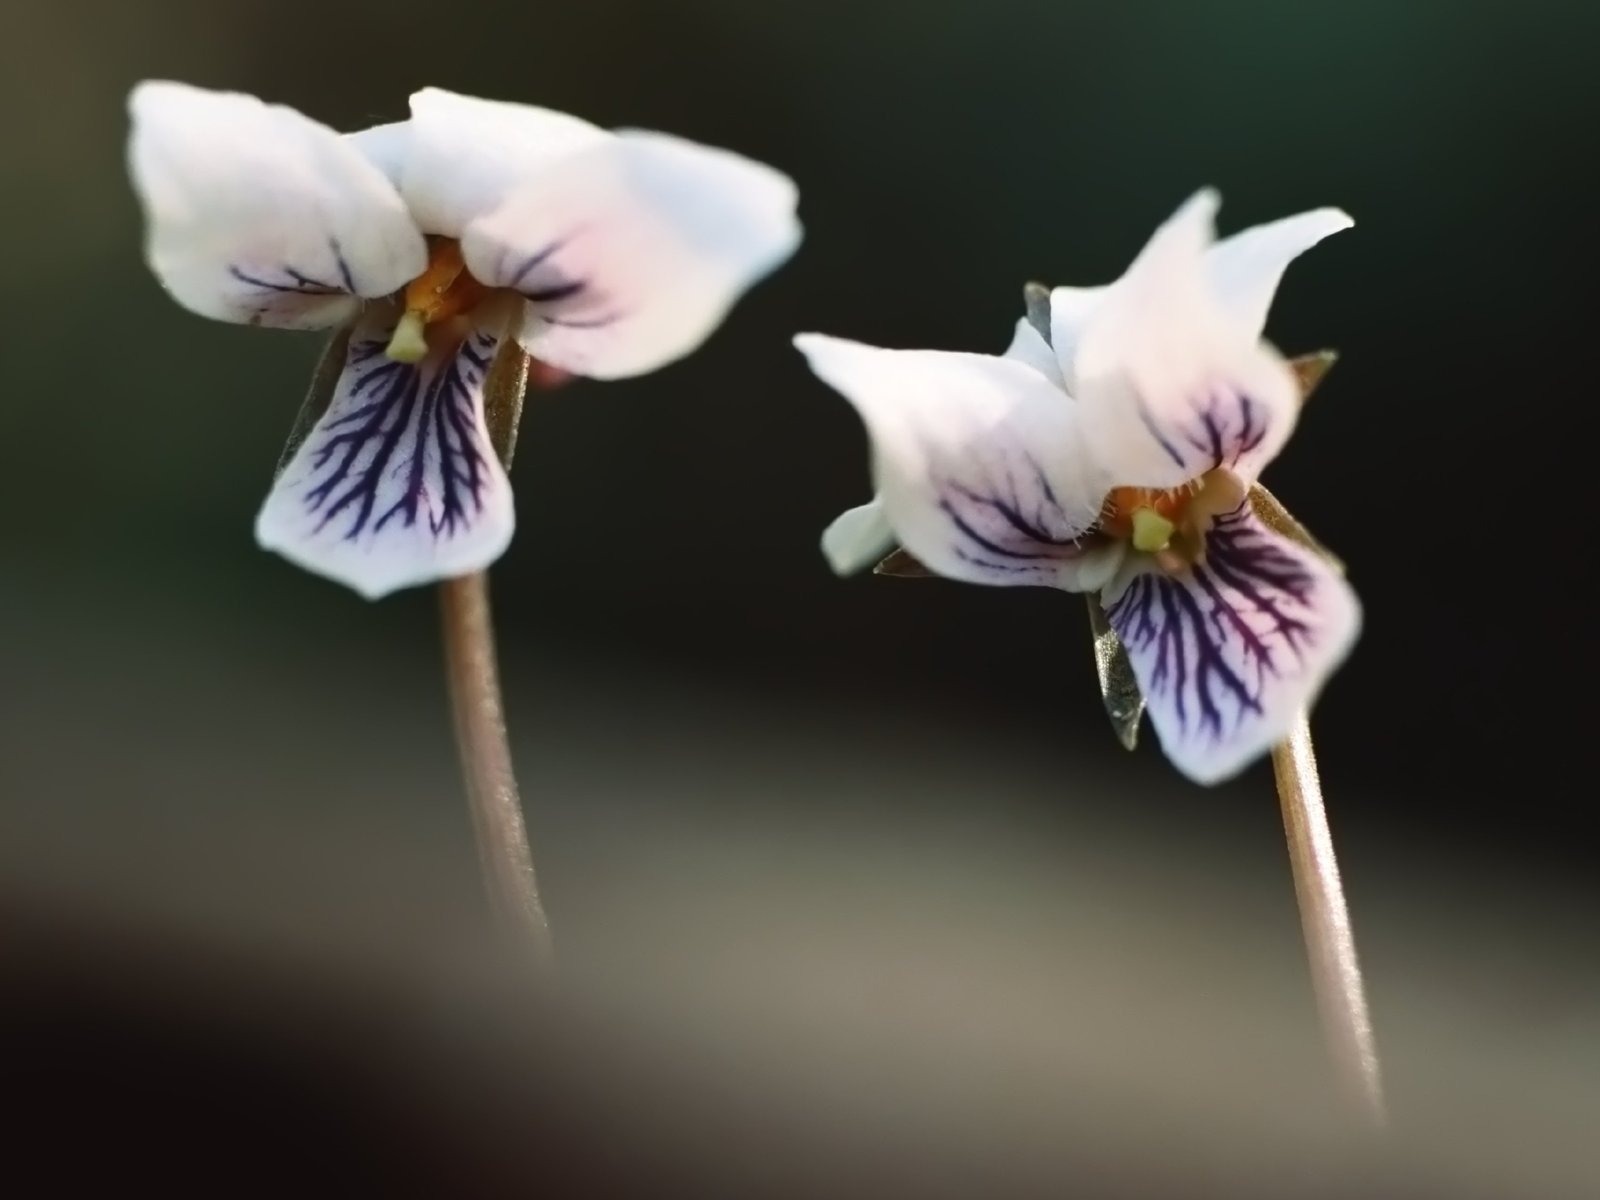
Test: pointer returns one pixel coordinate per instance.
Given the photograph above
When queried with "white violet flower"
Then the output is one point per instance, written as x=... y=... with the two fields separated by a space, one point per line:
x=1117 y=458
x=604 y=254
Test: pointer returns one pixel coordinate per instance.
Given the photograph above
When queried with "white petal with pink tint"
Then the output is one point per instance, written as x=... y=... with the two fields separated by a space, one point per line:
x=259 y=215
x=977 y=463
x=1028 y=346
x=1070 y=310
x=466 y=155
x=387 y=147
x=1245 y=269
x=630 y=253
x=1172 y=384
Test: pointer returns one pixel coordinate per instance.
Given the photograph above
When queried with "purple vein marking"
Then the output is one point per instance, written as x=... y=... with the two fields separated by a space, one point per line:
x=296 y=282
x=343 y=264
x=556 y=292
x=1212 y=640
x=1221 y=428
x=591 y=323
x=1161 y=438
x=1025 y=527
x=533 y=261
x=416 y=427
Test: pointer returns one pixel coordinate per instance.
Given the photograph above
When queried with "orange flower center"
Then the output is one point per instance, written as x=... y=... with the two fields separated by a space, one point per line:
x=1171 y=523
x=445 y=290
x=1121 y=504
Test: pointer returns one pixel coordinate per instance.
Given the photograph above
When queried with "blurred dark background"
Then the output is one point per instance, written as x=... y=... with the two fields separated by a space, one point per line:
x=855 y=892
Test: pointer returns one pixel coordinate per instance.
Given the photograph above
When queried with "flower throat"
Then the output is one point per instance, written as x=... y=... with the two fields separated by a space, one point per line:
x=444 y=290
x=1171 y=523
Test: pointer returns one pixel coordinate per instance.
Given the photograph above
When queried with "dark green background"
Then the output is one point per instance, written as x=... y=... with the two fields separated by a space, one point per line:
x=734 y=761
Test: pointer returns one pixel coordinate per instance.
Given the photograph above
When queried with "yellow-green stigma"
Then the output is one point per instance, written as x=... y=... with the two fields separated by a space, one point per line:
x=443 y=292
x=1151 y=530
x=409 y=345
x=1170 y=524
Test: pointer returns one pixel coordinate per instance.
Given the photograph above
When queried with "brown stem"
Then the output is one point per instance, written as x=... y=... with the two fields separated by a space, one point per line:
x=1325 y=919
x=474 y=687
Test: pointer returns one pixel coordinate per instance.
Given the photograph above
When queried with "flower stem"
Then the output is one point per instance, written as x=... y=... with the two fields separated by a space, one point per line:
x=474 y=687
x=1325 y=920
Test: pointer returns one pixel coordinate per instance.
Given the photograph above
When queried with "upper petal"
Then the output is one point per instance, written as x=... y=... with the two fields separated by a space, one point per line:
x=397 y=483
x=467 y=155
x=631 y=252
x=1028 y=346
x=1245 y=269
x=258 y=214
x=976 y=460
x=1070 y=310
x=1171 y=383
x=387 y=147
x=1228 y=652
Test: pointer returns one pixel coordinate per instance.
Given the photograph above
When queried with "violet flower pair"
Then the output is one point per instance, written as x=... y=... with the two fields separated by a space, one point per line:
x=1117 y=457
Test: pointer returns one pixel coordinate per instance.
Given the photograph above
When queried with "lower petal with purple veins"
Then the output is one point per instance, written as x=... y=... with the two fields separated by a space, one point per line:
x=397 y=484
x=1229 y=650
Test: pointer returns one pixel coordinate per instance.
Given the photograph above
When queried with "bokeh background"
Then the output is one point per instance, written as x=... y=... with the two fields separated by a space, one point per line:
x=855 y=892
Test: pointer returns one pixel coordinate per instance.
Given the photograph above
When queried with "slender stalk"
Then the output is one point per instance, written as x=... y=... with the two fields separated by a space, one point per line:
x=1325 y=920
x=474 y=687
